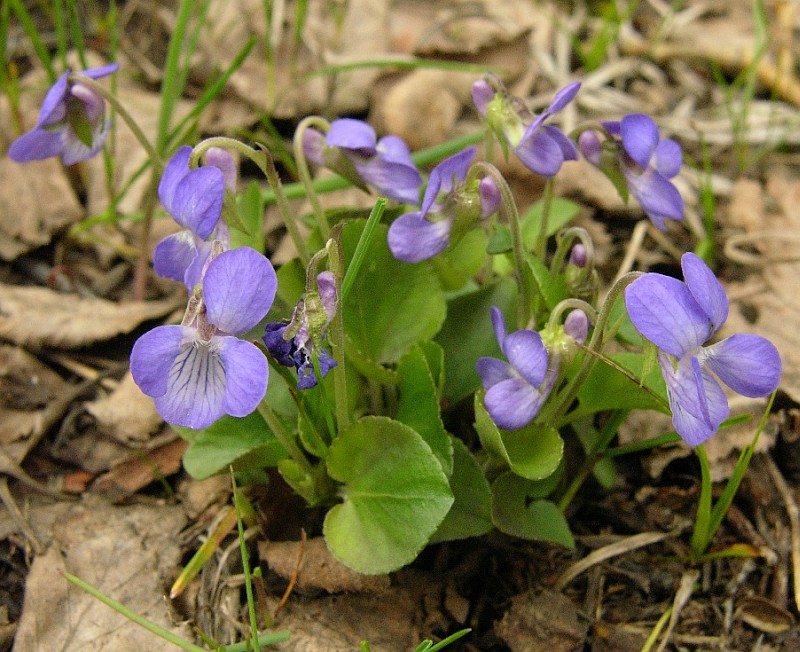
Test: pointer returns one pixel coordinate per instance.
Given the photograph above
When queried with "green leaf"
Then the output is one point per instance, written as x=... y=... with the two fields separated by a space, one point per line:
x=250 y=210
x=471 y=513
x=607 y=388
x=392 y=305
x=419 y=406
x=553 y=287
x=467 y=335
x=247 y=443
x=533 y=452
x=456 y=265
x=395 y=496
x=519 y=509
x=562 y=212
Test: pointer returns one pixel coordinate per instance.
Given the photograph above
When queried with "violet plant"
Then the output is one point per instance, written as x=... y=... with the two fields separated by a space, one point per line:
x=343 y=367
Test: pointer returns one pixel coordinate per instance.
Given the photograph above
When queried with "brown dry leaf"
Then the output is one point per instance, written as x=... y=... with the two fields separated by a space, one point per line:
x=141 y=469
x=325 y=41
x=127 y=414
x=395 y=620
x=125 y=552
x=36 y=201
x=26 y=387
x=319 y=569
x=542 y=622
x=36 y=316
x=463 y=27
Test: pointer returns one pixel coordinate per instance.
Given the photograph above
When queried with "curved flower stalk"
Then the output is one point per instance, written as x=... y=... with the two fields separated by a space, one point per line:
x=72 y=122
x=351 y=148
x=542 y=148
x=199 y=371
x=517 y=389
x=645 y=161
x=679 y=317
x=296 y=343
x=194 y=199
x=449 y=208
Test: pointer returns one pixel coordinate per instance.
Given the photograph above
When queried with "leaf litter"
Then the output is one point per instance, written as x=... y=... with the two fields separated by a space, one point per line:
x=660 y=65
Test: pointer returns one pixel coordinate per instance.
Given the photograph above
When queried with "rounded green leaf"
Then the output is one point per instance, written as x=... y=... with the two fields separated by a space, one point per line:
x=519 y=510
x=392 y=305
x=395 y=495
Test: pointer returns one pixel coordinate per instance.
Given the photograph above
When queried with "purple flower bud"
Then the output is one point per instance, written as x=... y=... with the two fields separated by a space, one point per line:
x=576 y=325
x=482 y=94
x=491 y=199
x=220 y=158
x=577 y=256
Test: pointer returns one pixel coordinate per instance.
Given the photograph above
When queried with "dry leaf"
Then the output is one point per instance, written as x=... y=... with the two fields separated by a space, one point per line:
x=319 y=569
x=36 y=316
x=127 y=414
x=125 y=552
x=36 y=201
x=542 y=622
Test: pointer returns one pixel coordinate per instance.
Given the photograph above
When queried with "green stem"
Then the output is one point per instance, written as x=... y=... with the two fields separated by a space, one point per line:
x=517 y=244
x=701 y=536
x=554 y=410
x=336 y=264
x=304 y=173
x=263 y=159
x=565 y=240
x=248 y=584
x=285 y=438
x=540 y=248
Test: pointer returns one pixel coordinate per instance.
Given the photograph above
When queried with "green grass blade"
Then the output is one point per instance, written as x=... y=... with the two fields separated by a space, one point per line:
x=361 y=248
x=171 y=88
x=36 y=41
x=209 y=94
x=133 y=616
x=77 y=32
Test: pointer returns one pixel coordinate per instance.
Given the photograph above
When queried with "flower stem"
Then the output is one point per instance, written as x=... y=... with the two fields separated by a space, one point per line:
x=149 y=202
x=305 y=175
x=518 y=247
x=540 y=248
x=336 y=265
x=284 y=437
x=555 y=410
x=265 y=162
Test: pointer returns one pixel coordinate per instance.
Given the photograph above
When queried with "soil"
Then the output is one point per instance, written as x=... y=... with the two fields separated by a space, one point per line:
x=91 y=480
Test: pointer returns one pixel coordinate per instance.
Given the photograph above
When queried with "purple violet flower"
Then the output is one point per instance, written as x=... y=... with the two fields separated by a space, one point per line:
x=303 y=342
x=194 y=199
x=200 y=370
x=541 y=148
x=679 y=317
x=71 y=123
x=517 y=389
x=647 y=163
x=351 y=149
x=423 y=234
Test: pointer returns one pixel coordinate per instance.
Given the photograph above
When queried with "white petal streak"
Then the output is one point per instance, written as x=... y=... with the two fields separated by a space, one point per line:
x=196 y=393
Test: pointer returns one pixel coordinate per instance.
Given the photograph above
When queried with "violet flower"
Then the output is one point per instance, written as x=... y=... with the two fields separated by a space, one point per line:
x=71 y=124
x=541 y=148
x=194 y=199
x=449 y=208
x=200 y=370
x=517 y=389
x=646 y=161
x=296 y=343
x=679 y=317
x=351 y=148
